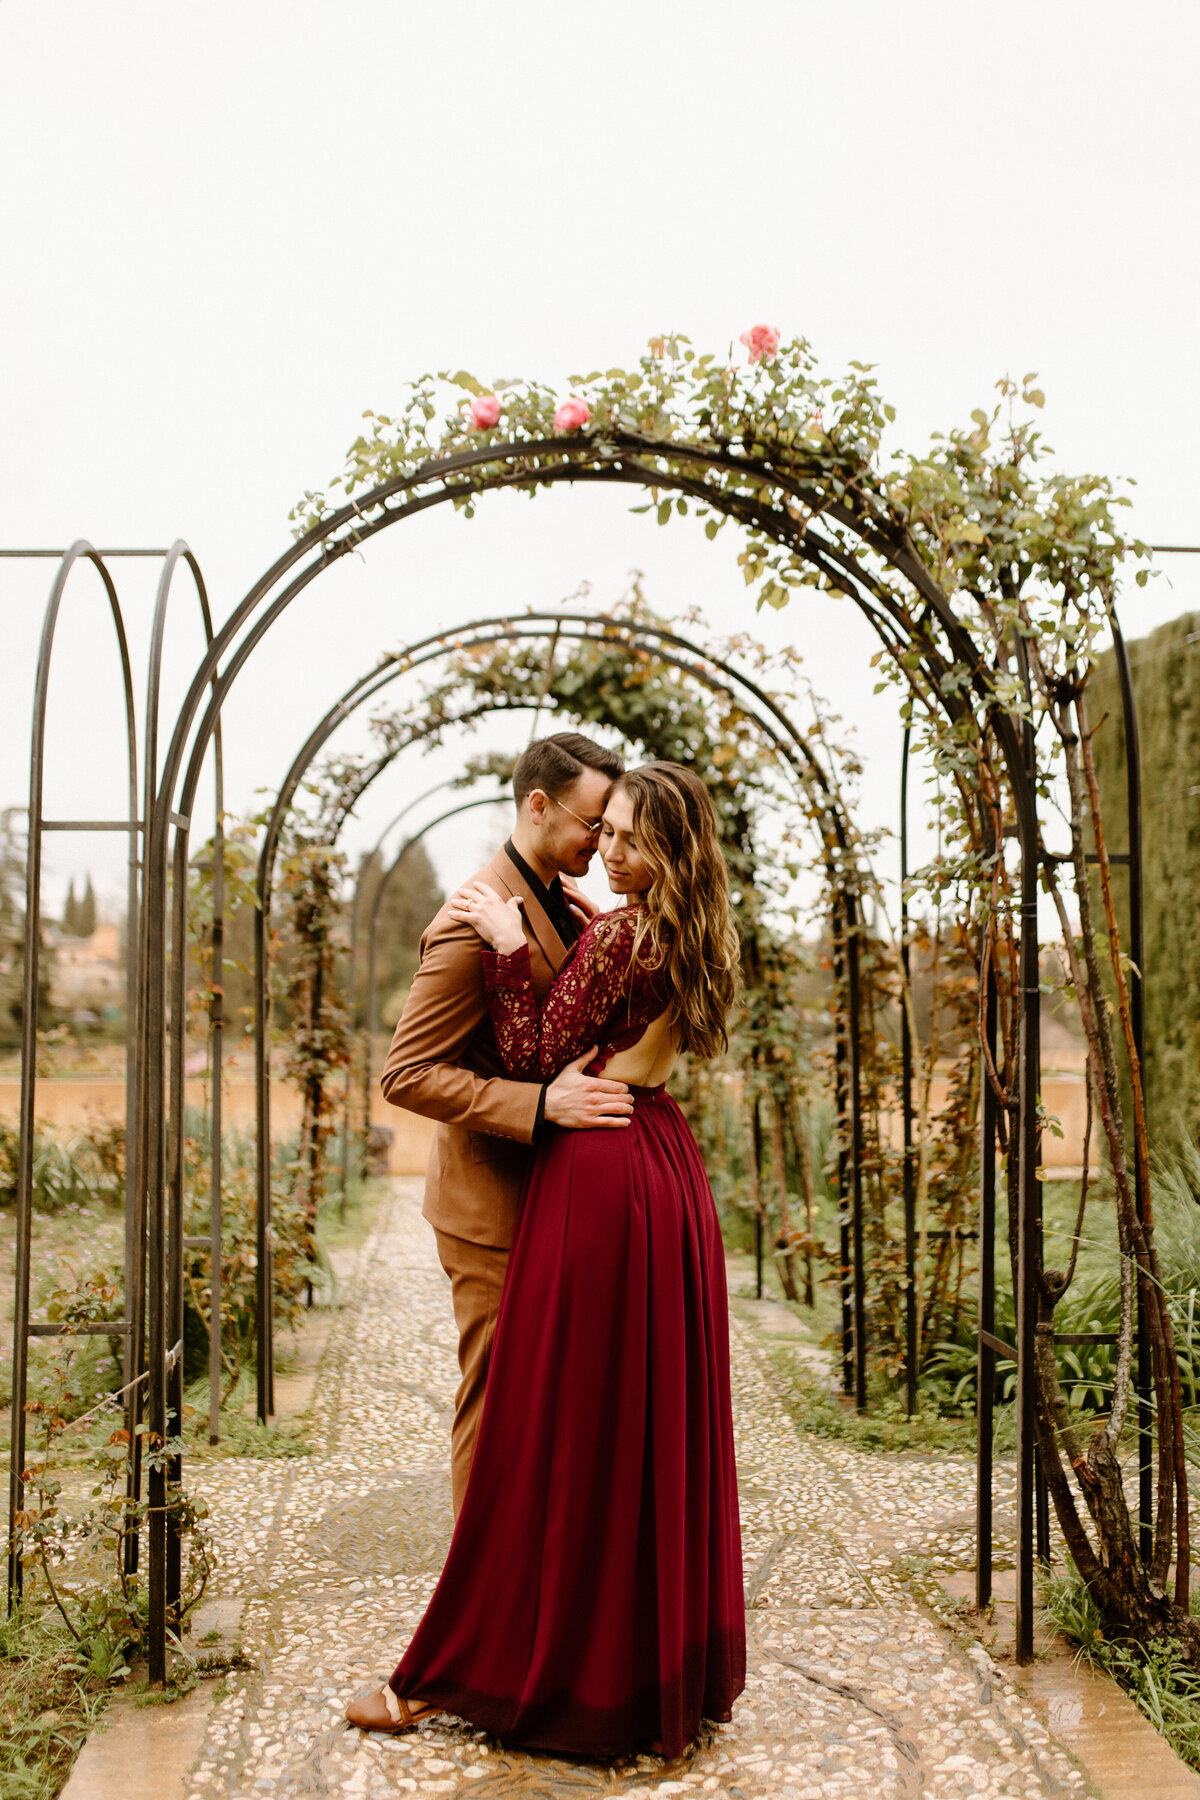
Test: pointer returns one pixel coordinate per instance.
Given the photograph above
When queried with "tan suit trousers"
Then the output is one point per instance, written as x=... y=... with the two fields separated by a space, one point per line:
x=476 y=1274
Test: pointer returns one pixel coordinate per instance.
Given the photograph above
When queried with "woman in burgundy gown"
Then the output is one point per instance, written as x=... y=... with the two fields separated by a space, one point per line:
x=591 y=1601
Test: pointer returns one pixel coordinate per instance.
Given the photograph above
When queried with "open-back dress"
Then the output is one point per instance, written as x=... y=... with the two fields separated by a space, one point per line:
x=592 y=1597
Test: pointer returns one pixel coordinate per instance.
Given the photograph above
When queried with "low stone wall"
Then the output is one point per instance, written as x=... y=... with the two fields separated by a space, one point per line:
x=75 y=1102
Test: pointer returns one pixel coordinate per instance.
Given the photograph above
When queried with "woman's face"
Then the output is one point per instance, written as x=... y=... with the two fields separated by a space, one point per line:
x=628 y=872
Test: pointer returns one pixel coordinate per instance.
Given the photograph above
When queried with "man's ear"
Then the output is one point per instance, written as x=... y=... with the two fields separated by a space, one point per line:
x=538 y=805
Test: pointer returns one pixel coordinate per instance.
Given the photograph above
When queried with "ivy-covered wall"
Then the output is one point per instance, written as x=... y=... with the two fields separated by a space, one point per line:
x=1166 y=682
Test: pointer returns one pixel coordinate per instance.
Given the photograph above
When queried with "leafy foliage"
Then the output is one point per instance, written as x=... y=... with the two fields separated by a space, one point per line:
x=104 y=1605
x=1157 y=1675
x=294 y=1249
x=68 y=1167
x=318 y=1039
x=409 y=902
x=49 y=1700
x=12 y=936
x=1166 y=683
x=990 y=577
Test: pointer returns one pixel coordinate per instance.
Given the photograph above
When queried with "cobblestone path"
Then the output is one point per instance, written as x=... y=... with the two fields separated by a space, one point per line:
x=852 y=1688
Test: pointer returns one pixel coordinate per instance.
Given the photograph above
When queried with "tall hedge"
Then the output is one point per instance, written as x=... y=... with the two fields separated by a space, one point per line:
x=1166 y=683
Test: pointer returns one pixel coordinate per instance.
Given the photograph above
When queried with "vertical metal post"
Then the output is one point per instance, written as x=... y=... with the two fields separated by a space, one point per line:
x=24 y=1220
x=262 y=1090
x=136 y=1367
x=1137 y=1008
x=371 y=997
x=854 y=998
x=29 y=1003
x=1029 y=1208
x=906 y=1104
x=173 y=1310
x=352 y=996
x=135 y=1246
x=216 y=1043
x=153 y=1010
x=842 y=1105
x=756 y=1139
x=985 y=1365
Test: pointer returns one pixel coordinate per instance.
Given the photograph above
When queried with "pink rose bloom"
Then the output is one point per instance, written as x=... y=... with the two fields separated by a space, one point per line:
x=572 y=414
x=485 y=411
x=762 y=341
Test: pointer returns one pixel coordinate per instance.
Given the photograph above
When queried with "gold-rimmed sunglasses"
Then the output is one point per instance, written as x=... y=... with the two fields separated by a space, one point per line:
x=591 y=826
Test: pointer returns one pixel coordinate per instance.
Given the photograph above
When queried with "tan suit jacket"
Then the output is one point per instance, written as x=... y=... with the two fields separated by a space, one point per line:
x=444 y=1064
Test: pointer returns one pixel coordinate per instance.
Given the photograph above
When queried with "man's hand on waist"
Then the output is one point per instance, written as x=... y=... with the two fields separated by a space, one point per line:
x=587 y=1102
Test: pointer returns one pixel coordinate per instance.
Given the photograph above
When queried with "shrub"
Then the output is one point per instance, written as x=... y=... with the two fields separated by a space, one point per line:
x=294 y=1268
x=69 y=1168
x=1155 y=1675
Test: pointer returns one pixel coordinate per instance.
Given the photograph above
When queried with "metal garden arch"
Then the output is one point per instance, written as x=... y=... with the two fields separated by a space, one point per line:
x=924 y=627
x=792 y=748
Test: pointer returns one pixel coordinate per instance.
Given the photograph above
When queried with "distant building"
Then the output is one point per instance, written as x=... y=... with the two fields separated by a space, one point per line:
x=88 y=981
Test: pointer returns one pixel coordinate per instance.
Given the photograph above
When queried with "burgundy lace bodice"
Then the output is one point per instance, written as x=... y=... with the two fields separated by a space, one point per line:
x=602 y=995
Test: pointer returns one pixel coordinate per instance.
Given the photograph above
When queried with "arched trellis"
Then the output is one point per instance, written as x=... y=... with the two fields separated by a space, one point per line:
x=352 y=980
x=762 y=505
x=630 y=460
x=387 y=876
x=138 y=1283
x=264 y=1245
x=23 y=1327
x=786 y=740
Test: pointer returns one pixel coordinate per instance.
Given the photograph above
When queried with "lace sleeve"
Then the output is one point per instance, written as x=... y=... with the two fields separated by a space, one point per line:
x=595 y=994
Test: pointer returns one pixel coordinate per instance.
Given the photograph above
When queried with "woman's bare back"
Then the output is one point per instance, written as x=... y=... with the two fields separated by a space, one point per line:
x=649 y=1061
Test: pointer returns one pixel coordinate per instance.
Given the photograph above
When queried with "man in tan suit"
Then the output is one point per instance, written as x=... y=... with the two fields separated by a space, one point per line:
x=444 y=1063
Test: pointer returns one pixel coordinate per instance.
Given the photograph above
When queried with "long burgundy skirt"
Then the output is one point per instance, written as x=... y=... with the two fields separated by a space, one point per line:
x=592 y=1597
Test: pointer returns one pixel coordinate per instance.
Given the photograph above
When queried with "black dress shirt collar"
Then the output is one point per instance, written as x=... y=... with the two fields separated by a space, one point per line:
x=552 y=899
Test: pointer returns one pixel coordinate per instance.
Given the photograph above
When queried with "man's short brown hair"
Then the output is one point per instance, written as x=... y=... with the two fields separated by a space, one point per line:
x=554 y=764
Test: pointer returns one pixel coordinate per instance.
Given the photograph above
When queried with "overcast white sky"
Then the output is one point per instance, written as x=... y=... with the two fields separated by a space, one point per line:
x=229 y=228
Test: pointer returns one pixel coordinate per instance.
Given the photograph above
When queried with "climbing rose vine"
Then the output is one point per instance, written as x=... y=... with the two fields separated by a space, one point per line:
x=989 y=577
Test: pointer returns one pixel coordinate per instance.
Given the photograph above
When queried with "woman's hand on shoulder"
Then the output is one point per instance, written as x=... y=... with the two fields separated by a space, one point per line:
x=497 y=921
x=581 y=904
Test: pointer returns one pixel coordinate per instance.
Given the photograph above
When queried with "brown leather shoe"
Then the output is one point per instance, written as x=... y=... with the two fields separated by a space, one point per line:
x=386 y=1712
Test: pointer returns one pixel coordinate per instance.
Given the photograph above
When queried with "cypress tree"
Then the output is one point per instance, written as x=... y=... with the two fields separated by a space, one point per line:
x=70 y=918
x=1166 y=686
x=86 y=916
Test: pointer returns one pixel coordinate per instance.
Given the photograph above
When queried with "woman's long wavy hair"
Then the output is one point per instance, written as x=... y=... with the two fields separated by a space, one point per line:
x=688 y=919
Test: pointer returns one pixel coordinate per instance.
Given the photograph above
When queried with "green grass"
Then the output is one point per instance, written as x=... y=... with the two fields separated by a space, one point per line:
x=1155 y=1676
x=812 y=1405
x=341 y=1230
x=50 y=1689
x=342 y=1227
x=81 y=1239
x=48 y=1704
x=884 y=1426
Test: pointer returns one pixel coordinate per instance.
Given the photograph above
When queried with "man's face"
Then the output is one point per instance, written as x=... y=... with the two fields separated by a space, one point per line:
x=569 y=841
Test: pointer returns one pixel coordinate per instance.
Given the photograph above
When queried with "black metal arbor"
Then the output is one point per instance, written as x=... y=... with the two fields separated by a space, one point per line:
x=843 y=874
x=923 y=627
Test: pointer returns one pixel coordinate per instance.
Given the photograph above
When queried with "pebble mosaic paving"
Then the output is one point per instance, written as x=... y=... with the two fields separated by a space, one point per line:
x=853 y=1688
